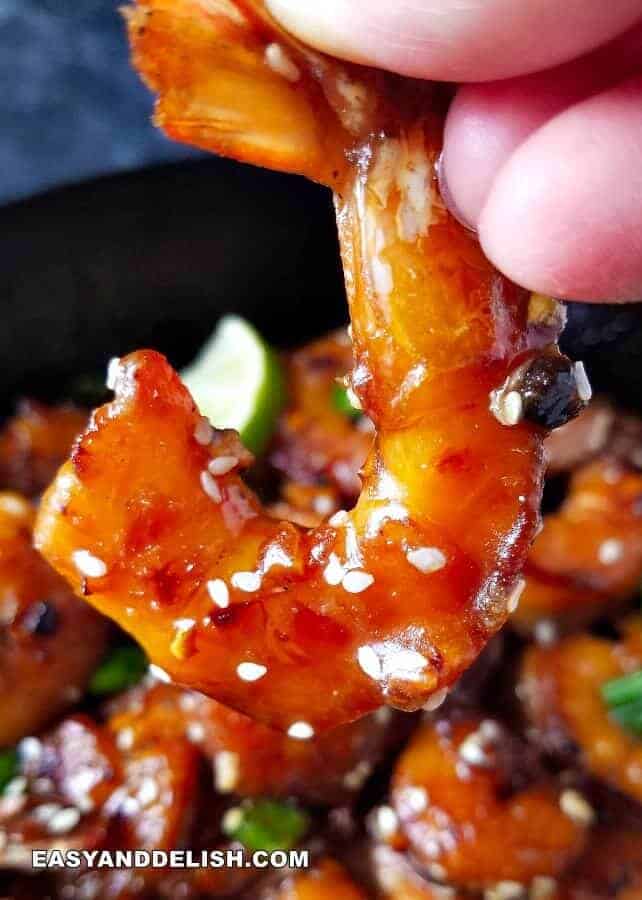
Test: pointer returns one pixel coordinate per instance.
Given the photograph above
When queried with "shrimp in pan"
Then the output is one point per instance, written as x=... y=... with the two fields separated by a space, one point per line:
x=458 y=369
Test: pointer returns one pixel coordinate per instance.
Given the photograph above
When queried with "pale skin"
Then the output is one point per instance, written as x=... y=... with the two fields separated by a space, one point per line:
x=543 y=140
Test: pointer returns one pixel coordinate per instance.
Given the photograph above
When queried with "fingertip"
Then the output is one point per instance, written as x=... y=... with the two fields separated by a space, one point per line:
x=564 y=214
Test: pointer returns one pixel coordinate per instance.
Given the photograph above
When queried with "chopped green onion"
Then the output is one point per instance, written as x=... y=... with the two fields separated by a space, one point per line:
x=9 y=767
x=629 y=715
x=122 y=668
x=341 y=402
x=266 y=825
x=623 y=690
x=623 y=696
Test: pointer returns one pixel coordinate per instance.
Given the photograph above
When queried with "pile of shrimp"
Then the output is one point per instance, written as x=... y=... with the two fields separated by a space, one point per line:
x=520 y=785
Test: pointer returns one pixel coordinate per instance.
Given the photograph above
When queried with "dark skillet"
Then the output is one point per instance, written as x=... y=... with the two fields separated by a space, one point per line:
x=154 y=258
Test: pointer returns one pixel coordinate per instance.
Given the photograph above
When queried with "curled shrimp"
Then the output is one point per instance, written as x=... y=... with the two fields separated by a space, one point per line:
x=588 y=558
x=43 y=629
x=560 y=688
x=471 y=807
x=387 y=603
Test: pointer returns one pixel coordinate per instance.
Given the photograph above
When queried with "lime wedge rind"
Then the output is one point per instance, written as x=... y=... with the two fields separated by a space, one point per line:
x=237 y=382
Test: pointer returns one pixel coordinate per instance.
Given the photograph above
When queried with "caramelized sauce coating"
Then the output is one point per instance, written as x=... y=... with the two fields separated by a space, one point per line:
x=35 y=442
x=472 y=810
x=51 y=641
x=392 y=601
x=611 y=867
x=326 y=881
x=316 y=444
x=248 y=758
x=560 y=688
x=83 y=790
x=589 y=554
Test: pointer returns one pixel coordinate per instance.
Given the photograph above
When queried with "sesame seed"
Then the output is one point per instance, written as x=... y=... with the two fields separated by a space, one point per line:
x=610 y=551
x=504 y=890
x=210 y=487
x=489 y=731
x=369 y=662
x=355 y=779
x=507 y=407
x=385 y=821
x=147 y=792
x=64 y=821
x=125 y=739
x=246 y=581
x=383 y=715
x=217 y=589
x=437 y=871
x=414 y=798
x=542 y=887
x=45 y=811
x=339 y=518
x=334 y=571
x=195 y=732
x=30 y=749
x=472 y=751
x=232 y=819
x=323 y=504
x=545 y=632
x=426 y=559
x=301 y=731
x=113 y=372
x=576 y=807
x=249 y=671
x=226 y=771
x=159 y=674
x=88 y=564
x=203 y=433
x=278 y=60
x=182 y=644
x=436 y=699
x=512 y=601
x=15 y=787
x=356 y=581
x=584 y=389
x=223 y=464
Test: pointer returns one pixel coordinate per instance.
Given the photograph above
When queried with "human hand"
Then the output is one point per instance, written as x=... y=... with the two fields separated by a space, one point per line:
x=543 y=142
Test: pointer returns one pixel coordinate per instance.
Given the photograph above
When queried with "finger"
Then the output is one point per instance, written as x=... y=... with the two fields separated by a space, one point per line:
x=564 y=214
x=450 y=40
x=487 y=122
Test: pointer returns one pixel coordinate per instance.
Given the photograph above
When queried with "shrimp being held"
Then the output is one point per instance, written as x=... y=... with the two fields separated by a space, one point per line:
x=457 y=368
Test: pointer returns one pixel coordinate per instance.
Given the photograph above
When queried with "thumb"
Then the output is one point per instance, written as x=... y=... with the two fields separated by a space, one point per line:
x=448 y=40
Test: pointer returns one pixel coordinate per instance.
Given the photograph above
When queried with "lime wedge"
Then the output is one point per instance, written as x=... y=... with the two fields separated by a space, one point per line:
x=237 y=382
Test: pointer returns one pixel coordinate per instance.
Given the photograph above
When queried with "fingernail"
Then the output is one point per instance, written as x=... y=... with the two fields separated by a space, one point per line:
x=318 y=24
x=447 y=197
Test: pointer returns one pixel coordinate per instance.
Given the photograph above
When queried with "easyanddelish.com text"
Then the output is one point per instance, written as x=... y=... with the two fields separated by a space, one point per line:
x=170 y=859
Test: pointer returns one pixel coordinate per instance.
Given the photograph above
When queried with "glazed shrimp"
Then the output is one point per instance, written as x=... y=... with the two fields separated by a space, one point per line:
x=470 y=806
x=51 y=642
x=588 y=557
x=387 y=603
x=560 y=687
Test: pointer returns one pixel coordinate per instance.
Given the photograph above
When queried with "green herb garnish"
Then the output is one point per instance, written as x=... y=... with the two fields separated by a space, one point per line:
x=9 y=767
x=122 y=668
x=341 y=402
x=623 y=696
x=266 y=825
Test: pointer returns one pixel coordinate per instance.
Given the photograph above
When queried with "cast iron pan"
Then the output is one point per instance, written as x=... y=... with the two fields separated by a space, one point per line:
x=152 y=259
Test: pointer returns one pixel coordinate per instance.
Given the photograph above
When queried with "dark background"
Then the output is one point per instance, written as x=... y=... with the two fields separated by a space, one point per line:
x=154 y=258
x=70 y=105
